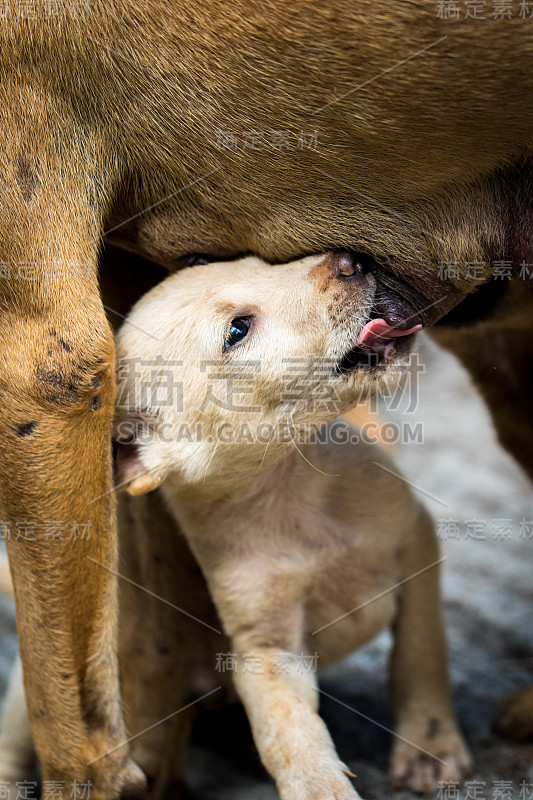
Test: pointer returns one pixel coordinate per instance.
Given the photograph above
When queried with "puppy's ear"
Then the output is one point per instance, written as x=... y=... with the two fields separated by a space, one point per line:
x=130 y=473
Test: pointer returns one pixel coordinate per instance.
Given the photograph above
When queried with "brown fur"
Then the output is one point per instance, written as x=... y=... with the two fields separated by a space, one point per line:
x=108 y=112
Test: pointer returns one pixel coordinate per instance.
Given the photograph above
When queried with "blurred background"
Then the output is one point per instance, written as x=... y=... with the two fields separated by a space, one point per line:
x=483 y=510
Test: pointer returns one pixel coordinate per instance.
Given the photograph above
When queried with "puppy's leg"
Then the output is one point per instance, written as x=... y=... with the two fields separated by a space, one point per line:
x=292 y=740
x=17 y=753
x=429 y=747
x=56 y=405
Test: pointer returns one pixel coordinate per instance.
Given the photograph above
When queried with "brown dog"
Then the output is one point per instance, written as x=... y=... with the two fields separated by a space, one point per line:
x=160 y=124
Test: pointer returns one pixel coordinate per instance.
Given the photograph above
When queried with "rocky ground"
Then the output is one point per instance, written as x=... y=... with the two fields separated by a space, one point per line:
x=481 y=503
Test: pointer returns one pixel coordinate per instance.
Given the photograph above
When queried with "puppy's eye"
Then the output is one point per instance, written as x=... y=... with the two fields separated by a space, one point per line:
x=237 y=331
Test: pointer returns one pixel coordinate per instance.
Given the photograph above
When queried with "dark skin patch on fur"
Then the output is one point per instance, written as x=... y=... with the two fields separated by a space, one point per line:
x=66 y=347
x=25 y=428
x=337 y=311
x=59 y=387
x=95 y=404
x=62 y=380
x=434 y=727
x=26 y=179
x=54 y=384
x=64 y=344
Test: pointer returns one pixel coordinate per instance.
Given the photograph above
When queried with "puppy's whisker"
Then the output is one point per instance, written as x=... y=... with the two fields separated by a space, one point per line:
x=210 y=460
x=264 y=454
x=327 y=474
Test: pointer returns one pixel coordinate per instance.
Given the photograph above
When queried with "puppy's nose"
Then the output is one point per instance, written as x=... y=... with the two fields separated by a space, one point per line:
x=349 y=265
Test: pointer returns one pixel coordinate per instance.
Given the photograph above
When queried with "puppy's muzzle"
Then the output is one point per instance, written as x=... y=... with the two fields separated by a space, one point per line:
x=380 y=339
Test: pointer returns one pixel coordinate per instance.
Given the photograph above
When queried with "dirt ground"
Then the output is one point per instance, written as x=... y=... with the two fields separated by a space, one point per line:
x=483 y=507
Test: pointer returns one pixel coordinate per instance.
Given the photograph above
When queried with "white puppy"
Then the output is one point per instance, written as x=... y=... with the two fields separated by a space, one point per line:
x=306 y=547
x=309 y=543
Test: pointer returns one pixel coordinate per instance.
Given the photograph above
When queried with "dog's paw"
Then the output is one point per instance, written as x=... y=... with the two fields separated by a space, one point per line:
x=515 y=715
x=439 y=757
x=314 y=783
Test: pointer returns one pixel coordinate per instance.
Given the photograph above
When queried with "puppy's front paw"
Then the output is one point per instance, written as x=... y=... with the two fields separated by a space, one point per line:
x=515 y=716
x=441 y=756
x=318 y=781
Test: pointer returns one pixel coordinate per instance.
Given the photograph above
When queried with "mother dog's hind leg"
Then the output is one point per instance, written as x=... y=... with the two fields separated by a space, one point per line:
x=498 y=353
x=168 y=629
x=515 y=715
x=57 y=392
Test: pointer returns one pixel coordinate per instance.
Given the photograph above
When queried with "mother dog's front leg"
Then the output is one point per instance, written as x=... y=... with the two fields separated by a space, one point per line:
x=57 y=393
x=56 y=405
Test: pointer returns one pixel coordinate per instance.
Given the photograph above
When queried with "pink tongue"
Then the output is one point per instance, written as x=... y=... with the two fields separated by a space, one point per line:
x=377 y=332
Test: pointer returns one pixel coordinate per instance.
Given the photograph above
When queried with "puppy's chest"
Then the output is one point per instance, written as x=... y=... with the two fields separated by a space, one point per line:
x=321 y=539
x=347 y=576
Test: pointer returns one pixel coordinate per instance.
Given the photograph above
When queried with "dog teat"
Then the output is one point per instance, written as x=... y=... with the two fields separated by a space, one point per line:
x=348 y=264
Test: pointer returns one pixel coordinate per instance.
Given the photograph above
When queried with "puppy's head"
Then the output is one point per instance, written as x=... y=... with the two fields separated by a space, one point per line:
x=232 y=353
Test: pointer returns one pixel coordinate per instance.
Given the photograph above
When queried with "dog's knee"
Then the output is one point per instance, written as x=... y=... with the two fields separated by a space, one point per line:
x=56 y=394
x=68 y=363
x=72 y=375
